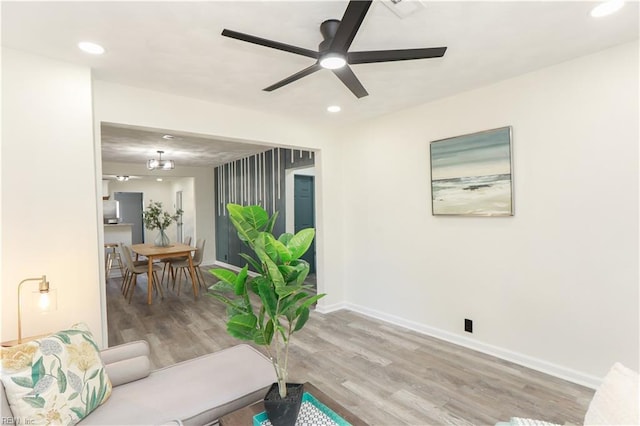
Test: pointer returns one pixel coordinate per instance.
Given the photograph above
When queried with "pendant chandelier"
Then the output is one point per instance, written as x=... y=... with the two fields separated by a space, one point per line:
x=159 y=163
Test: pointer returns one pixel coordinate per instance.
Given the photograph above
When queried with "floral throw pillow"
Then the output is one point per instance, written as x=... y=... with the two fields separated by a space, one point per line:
x=56 y=380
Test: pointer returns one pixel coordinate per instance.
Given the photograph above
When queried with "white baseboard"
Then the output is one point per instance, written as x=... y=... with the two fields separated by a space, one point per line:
x=233 y=268
x=515 y=357
x=331 y=308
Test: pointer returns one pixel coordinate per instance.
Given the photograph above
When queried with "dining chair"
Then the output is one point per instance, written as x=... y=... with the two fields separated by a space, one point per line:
x=180 y=266
x=135 y=269
x=113 y=254
x=127 y=272
x=167 y=262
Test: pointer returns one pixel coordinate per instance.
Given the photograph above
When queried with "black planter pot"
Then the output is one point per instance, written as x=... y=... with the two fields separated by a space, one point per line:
x=283 y=412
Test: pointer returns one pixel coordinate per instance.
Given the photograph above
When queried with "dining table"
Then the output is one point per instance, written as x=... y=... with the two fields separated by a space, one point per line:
x=153 y=252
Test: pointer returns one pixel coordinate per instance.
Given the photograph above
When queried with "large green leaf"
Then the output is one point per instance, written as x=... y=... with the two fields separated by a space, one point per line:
x=252 y=262
x=283 y=252
x=264 y=336
x=271 y=223
x=246 y=232
x=222 y=298
x=286 y=290
x=310 y=301
x=289 y=273
x=242 y=326
x=285 y=238
x=224 y=275
x=274 y=273
x=265 y=246
x=289 y=305
x=300 y=243
x=302 y=319
x=241 y=281
x=295 y=272
x=256 y=216
x=268 y=297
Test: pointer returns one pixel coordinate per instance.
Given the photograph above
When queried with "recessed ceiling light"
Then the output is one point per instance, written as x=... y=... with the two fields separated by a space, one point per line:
x=92 y=48
x=159 y=179
x=607 y=8
x=334 y=108
x=168 y=137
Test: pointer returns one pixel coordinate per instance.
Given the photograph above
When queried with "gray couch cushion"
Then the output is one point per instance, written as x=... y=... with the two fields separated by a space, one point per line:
x=125 y=351
x=126 y=363
x=128 y=370
x=235 y=377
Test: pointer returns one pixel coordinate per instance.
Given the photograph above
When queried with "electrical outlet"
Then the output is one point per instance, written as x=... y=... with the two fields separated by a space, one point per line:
x=468 y=325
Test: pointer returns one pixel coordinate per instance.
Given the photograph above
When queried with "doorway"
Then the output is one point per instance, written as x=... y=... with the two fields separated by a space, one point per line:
x=304 y=213
x=131 y=212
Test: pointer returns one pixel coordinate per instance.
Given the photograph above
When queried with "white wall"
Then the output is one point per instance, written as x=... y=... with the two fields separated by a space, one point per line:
x=186 y=185
x=151 y=191
x=49 y=192
x=555 y=286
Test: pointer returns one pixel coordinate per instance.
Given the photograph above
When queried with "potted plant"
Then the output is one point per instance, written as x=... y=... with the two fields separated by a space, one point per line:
x=268 y=308
x=156 y=218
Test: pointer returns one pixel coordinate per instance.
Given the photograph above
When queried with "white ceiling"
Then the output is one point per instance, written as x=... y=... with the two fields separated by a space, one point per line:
x=134 y=144
x=176 y=47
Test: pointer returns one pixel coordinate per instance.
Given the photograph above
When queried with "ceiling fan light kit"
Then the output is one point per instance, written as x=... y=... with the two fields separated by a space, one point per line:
x=333 y=52
x=333 y=61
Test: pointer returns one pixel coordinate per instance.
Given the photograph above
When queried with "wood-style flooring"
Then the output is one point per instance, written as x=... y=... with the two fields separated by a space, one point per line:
x=383 y=373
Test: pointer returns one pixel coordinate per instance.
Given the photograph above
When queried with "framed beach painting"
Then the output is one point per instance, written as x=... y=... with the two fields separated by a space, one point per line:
x=471 y=174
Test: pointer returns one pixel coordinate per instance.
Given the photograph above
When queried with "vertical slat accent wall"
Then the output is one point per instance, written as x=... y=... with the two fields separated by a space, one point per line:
x=258 y=179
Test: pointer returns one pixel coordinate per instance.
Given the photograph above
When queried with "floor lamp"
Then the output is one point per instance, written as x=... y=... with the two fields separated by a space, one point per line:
x=46 y=299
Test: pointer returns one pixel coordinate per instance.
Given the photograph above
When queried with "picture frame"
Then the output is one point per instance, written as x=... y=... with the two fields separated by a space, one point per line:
x=472 y=174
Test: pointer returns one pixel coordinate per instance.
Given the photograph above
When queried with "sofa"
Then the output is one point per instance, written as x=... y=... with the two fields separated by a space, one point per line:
x=193 y=392
x=615 y=402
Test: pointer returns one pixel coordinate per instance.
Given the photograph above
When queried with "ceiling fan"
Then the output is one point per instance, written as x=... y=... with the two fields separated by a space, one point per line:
x=333 y=52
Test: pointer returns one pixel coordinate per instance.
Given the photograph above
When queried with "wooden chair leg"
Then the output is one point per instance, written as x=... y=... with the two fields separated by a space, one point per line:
x=158 y=284
x=200 y=277
x=133 y=285
x=171 y=277
x=126 y=282
x=120 y=264
x=164 y=270
x=179 y=277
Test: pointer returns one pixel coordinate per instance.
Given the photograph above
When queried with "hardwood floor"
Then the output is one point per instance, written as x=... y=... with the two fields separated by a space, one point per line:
x=384 y=374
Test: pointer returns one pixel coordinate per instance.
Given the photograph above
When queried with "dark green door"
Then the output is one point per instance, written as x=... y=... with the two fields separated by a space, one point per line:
x=304 y=216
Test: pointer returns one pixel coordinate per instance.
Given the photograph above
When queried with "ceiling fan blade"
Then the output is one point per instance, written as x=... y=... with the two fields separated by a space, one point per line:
x=349 y=25
x=270 y=43
x=297 y=76
x=394 y=55
x=351 y=81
